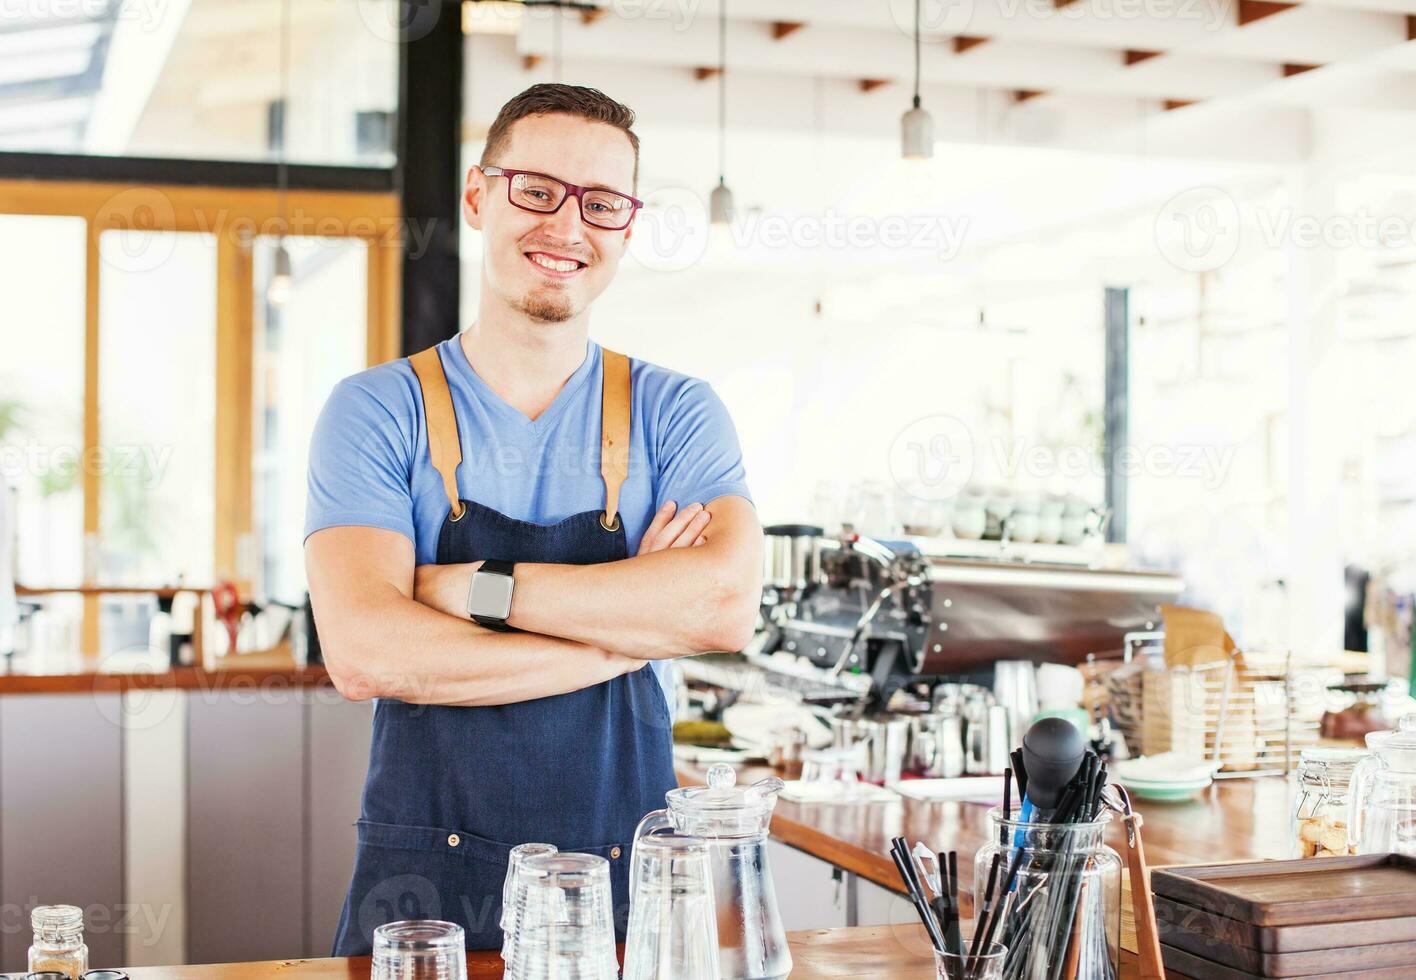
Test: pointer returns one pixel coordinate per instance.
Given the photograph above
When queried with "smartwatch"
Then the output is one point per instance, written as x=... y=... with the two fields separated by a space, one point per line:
x=489 y=598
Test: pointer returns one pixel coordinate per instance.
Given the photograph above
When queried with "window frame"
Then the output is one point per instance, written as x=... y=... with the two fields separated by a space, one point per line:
x=339 y=202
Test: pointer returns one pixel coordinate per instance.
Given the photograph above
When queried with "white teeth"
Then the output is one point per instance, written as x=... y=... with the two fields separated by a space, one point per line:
x=557 y=265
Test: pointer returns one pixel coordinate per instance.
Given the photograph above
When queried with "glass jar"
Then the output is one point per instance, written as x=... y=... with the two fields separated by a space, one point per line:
x=58 y=941
x=1319 y=826
x=1068 y=891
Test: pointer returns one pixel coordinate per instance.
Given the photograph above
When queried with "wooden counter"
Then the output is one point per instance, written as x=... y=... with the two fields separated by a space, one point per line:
x=237 y=677
x=1236 y=819
x=900 y=953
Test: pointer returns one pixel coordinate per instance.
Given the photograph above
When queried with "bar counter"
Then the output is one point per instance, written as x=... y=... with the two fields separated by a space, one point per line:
x=898 y=952
x=1234 y=820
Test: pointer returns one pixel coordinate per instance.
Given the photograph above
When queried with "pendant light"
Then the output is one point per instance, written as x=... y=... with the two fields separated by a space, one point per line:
x=282 y=277
x=916 y=127
x=720 y=202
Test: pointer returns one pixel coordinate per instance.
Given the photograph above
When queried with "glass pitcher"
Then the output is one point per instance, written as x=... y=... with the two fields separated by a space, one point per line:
x=1382 y=801
x=732 y=822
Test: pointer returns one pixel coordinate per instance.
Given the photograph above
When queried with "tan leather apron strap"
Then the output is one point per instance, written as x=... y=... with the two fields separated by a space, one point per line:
x=614 y=433
x=444 y=446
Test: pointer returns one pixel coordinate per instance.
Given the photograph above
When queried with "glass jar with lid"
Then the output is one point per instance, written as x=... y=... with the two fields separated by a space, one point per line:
x=1320 y=804
x=1066 y=898
x=58 y=941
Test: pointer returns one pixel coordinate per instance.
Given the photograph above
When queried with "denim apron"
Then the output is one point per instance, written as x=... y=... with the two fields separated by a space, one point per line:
x=450 y=790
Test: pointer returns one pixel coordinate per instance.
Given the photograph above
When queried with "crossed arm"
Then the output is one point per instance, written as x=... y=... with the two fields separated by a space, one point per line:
x=389 y=629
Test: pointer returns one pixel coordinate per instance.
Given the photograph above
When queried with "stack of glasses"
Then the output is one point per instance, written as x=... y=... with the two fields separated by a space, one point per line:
x=562 y=920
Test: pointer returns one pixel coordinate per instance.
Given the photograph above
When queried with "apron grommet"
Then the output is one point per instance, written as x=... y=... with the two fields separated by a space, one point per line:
x=610 y=527
x=615 y=853
x=460 y=515
x=453 y=840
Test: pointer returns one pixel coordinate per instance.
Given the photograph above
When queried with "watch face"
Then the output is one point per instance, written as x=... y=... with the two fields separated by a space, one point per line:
x=490 y=596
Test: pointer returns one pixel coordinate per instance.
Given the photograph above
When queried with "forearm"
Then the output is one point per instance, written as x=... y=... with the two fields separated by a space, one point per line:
x=386 y=644
x=667 y=604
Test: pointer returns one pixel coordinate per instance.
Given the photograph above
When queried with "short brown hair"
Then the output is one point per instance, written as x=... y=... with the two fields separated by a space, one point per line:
x=545 y=98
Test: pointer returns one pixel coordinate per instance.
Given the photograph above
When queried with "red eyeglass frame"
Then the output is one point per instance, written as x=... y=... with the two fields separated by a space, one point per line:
x=571 y=190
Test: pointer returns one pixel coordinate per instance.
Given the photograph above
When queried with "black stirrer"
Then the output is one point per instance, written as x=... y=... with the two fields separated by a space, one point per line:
x=987 y=904
x=1007 y=807
x=952 y=933
x=906 y=871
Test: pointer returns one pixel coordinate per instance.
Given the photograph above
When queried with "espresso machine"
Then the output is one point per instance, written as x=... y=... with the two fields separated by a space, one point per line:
x=868 y=617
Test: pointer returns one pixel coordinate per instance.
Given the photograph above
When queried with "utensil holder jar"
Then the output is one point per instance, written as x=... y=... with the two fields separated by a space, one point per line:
x=1066 y=900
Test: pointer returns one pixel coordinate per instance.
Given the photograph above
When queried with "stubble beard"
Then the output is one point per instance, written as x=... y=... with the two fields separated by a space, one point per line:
x=545 y=309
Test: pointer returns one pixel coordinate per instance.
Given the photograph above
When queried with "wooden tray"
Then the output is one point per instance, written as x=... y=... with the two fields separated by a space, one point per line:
x=1190 y=965
x=1281 y=939
x=1301 y=964
x=1299 y=892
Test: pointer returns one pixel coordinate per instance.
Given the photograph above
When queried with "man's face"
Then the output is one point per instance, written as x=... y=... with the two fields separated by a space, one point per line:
x=518 y=243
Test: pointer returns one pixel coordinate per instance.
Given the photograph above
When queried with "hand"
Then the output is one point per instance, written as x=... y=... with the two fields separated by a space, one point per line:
x=444 y=587
x=683 y=529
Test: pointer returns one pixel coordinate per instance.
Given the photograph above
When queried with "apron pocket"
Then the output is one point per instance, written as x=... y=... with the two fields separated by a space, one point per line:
x=424 y=873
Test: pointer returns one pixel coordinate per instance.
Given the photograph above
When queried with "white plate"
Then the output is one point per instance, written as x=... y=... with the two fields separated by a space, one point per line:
x=967 y=789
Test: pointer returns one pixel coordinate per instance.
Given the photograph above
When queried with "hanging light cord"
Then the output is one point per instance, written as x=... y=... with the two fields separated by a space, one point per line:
x=722 y=90
x=556 y=41
x=916 y=46
x=282 y=169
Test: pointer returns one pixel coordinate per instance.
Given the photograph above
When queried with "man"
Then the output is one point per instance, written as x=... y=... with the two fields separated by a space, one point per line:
x=468 y=541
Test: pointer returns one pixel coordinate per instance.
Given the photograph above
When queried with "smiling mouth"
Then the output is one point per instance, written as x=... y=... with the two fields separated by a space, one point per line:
x=555 y=266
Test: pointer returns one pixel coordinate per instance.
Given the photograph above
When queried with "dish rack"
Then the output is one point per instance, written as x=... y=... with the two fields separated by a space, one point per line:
x=1242 y=712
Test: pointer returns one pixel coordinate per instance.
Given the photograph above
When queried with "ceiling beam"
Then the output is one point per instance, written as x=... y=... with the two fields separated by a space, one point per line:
x=785 y=28
x=1252 y=10
x=871 y=84
x=963 y=42
x=1134 y=57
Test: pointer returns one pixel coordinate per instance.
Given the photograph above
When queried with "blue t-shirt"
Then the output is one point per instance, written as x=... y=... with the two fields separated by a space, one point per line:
x=369 y=463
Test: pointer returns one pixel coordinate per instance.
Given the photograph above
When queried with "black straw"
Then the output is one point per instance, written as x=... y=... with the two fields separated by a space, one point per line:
x=1007 y=807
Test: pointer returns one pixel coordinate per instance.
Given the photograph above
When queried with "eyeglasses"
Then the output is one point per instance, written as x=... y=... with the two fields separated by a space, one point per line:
x=543 y=194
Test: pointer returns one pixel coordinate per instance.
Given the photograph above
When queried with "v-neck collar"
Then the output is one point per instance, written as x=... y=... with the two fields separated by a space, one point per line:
x=457 y=357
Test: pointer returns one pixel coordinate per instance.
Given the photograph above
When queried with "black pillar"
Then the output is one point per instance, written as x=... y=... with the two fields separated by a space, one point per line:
x=1117 y=417
x=429 y=167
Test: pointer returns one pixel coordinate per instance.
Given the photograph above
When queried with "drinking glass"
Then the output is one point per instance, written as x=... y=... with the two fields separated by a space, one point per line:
x=419 y=949
x=519 y=853
x=673 y=928
x=987 y=965
x=564 y=921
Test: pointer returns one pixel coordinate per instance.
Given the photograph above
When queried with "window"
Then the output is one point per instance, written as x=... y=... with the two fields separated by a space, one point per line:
x=42 y=392
x=302 y=349
x=199 y=80
x=157 y=407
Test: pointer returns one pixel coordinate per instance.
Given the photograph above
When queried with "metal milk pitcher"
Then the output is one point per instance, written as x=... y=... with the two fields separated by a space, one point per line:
x=732 y=822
